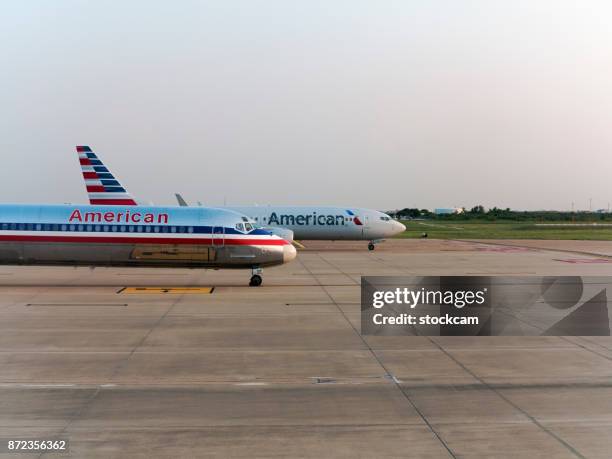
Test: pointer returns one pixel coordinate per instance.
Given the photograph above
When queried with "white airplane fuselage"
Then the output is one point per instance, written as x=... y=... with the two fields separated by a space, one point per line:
x=324 y=222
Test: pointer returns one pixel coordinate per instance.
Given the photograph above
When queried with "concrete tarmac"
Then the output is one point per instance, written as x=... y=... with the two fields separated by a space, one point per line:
x=282 y=370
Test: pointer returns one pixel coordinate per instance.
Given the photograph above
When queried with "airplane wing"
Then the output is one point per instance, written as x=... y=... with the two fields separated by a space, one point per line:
x=102 y=186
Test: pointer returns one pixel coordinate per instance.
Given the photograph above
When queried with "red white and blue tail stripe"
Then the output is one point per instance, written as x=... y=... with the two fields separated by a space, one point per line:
x=102 y=187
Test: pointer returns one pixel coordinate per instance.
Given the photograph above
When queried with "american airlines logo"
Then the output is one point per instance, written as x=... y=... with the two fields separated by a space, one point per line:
x=310 y=219
x=117 y=217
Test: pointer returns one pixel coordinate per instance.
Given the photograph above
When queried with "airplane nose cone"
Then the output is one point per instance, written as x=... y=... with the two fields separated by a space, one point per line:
x=289 y=253
x=399 y=227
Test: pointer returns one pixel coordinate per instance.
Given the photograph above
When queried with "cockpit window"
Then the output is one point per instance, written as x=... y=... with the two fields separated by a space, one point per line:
x=244 y=219
x=239 y=226
x=248 y=226
x=386 y=219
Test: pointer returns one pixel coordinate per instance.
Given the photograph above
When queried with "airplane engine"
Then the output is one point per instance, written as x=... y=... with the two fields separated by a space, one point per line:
x=284 y=233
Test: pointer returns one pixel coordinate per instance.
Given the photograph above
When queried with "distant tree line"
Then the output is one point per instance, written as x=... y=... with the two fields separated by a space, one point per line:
x=480 y=213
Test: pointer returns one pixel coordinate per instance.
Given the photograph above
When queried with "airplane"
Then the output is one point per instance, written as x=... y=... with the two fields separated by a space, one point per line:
x=119 y=235
x=287 y=222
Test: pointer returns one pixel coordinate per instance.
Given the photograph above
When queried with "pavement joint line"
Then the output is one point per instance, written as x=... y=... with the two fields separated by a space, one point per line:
x=381 y=261
x=563 y=338
x=242 y=426
x=98 y=388
x=595 y=343
x=121 y=364
x=582 y=346
x=337 y=268
x=543 y=249
x=496 y=390
x=384 y=368
x=308 y=381
x=77 y=415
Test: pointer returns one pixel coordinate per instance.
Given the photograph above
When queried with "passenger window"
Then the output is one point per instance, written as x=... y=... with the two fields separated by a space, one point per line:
x=173 y=229
x=5 y=226
x=190 y=229
x=156 y=229
x=29 y=226
x=131 y=228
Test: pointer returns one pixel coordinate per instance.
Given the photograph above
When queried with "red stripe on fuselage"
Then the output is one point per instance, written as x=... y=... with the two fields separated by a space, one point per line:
x=113 y=202
x=140 y=240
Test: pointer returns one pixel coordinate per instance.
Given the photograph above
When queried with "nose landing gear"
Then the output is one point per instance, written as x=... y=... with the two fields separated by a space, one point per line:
x=373 y=242
x=256 y=278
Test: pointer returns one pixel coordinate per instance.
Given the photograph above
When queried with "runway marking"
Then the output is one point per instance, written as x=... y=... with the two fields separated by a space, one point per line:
x=171 y=290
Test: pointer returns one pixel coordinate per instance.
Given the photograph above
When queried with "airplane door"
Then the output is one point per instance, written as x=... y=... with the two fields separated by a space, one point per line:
x=218 y=236
x=365 y=229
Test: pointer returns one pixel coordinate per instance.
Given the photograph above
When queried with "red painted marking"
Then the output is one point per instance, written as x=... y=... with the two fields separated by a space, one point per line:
x=85 y=161
x=357 y=221
x=586 y=261
x=141 y=240
x=113 y=202
x=95 y=188
x=90 y=175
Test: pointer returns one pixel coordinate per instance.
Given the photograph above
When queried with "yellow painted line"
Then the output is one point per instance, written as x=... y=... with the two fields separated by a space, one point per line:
x=298 y=245
x=158 y=290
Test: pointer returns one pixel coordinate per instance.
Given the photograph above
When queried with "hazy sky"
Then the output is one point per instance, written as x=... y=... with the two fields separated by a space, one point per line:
x=378 y=104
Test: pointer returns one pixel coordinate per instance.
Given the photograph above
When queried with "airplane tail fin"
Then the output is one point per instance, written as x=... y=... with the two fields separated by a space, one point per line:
x=102 y=187
x=180 y=200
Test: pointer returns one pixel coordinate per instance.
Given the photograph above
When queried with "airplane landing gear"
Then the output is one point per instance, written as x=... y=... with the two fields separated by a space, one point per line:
x=256 y=278
x=372 y=244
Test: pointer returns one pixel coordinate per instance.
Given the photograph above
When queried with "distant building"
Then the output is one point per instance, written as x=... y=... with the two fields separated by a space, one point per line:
x=453 y=210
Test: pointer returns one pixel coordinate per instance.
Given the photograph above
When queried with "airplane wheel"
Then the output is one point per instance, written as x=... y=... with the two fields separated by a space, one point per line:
x=371 y=246
x=256 y=280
